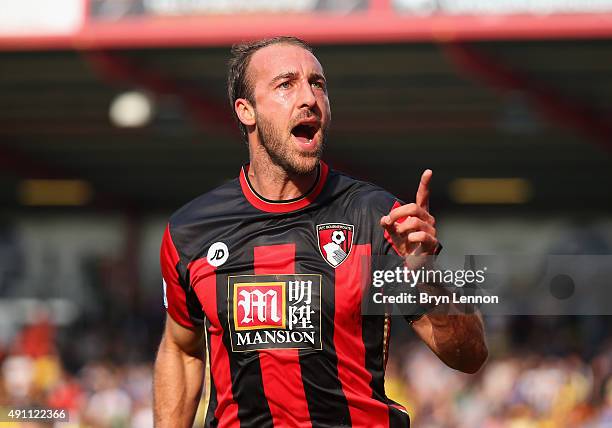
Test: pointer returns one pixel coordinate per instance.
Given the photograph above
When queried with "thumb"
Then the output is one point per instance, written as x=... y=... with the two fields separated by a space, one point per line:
x=387 y=224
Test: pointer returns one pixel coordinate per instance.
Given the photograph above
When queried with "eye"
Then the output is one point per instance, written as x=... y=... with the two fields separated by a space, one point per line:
x=318 y=84
x=284 y=85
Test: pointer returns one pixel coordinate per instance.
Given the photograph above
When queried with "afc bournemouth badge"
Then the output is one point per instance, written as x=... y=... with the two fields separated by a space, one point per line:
x=335 y=242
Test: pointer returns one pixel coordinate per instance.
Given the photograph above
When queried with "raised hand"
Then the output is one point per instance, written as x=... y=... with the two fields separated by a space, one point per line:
x=410 y=226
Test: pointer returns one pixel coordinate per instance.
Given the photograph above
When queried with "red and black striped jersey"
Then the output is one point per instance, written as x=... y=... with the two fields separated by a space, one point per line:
x=278 y=288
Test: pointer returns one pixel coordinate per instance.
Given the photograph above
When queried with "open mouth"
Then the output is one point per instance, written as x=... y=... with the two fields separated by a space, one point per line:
x=305 y=132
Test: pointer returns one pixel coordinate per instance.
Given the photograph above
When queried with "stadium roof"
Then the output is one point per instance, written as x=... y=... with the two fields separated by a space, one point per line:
x=538 y=110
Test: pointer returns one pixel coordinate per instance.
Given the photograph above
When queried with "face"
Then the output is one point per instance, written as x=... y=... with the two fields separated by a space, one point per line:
x=291 y=108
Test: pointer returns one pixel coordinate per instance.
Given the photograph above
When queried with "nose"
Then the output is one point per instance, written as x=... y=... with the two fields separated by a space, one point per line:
x=307 y=96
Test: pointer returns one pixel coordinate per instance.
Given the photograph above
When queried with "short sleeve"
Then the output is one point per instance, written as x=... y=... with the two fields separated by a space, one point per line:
x=179 y=299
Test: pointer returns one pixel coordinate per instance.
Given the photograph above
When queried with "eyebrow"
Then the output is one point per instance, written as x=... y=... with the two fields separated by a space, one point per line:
x=293 y=75
x=317 y=76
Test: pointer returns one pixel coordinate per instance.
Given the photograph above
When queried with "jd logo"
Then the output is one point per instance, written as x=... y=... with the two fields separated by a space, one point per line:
x=217 y=254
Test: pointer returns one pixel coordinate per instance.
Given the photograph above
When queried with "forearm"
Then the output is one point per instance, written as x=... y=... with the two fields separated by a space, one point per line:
x=177 y=385
x=456 y=339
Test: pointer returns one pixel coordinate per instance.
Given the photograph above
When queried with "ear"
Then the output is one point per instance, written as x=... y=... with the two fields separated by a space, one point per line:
x=245 y=111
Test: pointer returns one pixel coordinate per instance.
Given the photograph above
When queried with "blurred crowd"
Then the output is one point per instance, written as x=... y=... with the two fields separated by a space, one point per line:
x=515 y=389
x=98 y=394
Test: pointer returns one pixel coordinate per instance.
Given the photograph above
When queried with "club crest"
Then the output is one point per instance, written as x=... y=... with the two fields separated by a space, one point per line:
x=335 y=242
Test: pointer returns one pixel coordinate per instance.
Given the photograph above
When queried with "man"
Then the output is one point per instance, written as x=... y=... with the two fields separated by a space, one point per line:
x=262 y=275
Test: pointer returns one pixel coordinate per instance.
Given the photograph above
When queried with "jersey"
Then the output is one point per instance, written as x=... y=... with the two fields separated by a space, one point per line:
x=277 y=287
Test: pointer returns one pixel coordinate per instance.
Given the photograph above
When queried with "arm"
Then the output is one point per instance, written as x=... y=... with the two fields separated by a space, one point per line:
x=456 y=337
x=178 y=374
x=458 y=340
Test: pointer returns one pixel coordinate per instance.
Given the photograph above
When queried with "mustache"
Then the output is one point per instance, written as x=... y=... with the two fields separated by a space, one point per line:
x=306 y=115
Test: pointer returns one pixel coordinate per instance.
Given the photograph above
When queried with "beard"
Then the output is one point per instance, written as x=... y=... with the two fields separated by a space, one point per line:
x=283 y=152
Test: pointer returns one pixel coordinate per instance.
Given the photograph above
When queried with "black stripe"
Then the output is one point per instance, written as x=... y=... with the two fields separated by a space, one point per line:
x=398 y=419
x=194 y=307
x=245 y=369
x=327 y=403
x=210 y=421
x=372 y=331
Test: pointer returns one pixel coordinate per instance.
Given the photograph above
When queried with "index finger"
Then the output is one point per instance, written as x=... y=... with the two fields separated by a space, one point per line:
x=422 y=196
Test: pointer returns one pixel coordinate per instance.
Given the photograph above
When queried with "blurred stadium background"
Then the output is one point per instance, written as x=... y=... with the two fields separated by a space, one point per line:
x=113 y=114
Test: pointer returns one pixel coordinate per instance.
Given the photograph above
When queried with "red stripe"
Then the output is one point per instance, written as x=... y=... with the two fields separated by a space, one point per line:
x=177 y=302
x=280 y=369
x=348 y=341
x=204 y=280
x=378 y=26
x=399 y=407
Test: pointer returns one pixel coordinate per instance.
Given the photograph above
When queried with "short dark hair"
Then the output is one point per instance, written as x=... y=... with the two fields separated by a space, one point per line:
x=238 y=83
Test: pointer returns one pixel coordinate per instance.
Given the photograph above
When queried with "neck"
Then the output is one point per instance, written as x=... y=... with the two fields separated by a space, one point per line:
x=272 y=182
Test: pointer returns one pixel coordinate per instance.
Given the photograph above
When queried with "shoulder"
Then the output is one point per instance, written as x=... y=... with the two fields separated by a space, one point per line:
x=363 y=195
x=214 y=203
x=201 y=218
